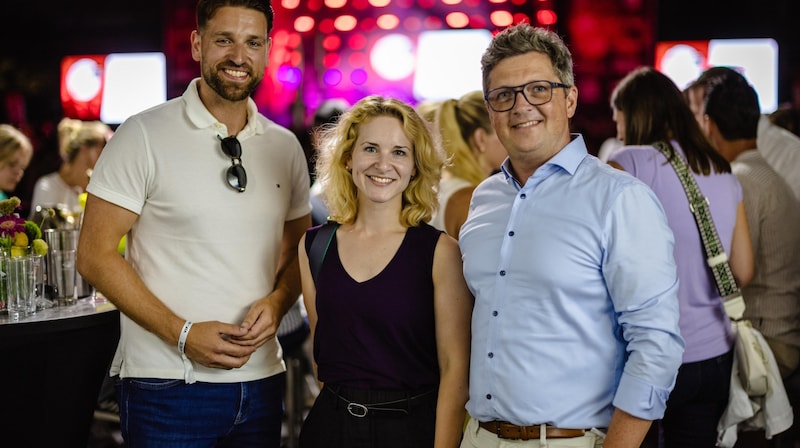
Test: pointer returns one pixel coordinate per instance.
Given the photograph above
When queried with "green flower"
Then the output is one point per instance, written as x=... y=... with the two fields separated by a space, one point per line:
x=39 y=247
x=32 y=230
x=9 y=206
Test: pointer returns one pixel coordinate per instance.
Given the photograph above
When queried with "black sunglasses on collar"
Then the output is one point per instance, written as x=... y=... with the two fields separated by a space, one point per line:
x=236 y=175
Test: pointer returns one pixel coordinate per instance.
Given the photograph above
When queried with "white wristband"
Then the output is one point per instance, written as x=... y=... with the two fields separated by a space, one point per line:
x=182 y=338
x=188 y=370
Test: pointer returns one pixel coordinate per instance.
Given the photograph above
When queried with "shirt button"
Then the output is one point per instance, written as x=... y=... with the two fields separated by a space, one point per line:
x=511 y=233
x=523 y=196
x=502 y=273
x=491 y=355
x=488 y=396
x=494 y=313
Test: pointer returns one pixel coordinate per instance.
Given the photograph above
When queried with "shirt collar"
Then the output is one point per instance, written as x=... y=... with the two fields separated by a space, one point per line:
x=202 y=118
x=568 y=158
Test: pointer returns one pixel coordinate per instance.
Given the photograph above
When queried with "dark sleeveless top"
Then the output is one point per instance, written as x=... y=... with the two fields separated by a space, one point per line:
x=378 y=334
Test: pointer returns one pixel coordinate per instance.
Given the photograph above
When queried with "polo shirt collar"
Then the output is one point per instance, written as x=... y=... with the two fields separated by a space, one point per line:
x=202 y=118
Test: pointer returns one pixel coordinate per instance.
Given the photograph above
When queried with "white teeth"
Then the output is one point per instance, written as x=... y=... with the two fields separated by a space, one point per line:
x=380 y=180
x=236 y=73
x=527 y=123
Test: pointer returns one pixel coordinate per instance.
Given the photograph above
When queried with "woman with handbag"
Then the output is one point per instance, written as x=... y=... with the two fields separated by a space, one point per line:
x=657 y=126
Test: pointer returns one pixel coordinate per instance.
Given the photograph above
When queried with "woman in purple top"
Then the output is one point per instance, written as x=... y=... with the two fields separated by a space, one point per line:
x=390 y=311
x=649 y=108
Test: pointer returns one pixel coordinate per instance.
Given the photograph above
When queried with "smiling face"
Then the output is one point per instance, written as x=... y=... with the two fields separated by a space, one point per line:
x=233 y=51
x=382 y=161
x=531 y=134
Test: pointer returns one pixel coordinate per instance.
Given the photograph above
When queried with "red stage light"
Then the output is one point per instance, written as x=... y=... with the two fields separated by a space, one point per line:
x=303 y=24
x=388 y=22
x=330 y=60
x=345 y=23
x=357 y=41
x=331 y=42
x=326 y=26
x=412 y=23
x=546 y=17
x=501 y=19
x=457 y=20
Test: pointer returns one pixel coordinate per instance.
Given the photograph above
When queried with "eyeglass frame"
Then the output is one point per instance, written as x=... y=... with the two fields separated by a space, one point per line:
x=521 y=89
x=236 y=174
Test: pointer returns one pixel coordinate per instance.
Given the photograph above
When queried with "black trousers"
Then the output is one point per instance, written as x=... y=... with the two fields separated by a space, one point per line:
x=393 y=419
x=697 y=403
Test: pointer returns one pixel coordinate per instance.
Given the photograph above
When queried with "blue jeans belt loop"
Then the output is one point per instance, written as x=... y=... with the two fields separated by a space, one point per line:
x=362 y=410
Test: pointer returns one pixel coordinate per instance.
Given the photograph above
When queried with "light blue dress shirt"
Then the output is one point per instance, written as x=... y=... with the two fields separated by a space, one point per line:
x=575 y=290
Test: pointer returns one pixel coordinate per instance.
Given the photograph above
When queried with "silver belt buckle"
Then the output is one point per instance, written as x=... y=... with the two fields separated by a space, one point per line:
x=357 y=410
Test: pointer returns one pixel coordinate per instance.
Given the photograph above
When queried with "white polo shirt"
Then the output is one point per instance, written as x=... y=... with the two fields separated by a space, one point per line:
x=204 y=249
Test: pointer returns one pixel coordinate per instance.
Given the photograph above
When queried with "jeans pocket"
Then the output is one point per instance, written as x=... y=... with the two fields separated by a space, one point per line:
x=152 y=383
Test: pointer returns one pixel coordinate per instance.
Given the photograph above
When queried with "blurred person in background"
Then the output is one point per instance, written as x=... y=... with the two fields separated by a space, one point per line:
x=787 y=117
x=16 y=152
x=474 y=152
x=730 y=120
x=779 y=146
x=80 y=144
x=649 y=109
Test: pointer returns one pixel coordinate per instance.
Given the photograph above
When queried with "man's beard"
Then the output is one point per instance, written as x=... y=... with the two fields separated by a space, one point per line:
x=230 y=91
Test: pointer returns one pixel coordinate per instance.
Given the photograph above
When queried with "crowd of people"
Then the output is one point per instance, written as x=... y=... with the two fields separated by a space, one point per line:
x=466 y=270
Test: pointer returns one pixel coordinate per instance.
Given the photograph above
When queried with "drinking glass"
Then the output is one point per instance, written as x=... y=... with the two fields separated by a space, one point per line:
x=20 y=280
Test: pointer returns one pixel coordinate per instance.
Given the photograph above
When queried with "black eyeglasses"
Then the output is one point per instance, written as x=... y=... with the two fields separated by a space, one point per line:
x=236 y=175
x=536 y=93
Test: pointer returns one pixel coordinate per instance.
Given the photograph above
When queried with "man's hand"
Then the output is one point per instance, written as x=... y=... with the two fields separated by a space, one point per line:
x=211 y=344
x=260 y=324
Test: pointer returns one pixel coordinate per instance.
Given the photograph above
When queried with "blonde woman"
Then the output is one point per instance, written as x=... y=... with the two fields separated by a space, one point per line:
x=15 y=156
x=474 y=151
x=80 y=144
x=389 y=311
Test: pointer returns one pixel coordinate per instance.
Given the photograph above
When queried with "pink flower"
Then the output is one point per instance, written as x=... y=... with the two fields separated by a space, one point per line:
x=11 y=225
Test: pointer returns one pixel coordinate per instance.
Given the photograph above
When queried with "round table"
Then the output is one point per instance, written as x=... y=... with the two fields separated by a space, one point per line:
x=52 y=365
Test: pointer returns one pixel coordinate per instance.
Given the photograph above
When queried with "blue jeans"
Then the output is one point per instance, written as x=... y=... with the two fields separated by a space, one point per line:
x=173 y=414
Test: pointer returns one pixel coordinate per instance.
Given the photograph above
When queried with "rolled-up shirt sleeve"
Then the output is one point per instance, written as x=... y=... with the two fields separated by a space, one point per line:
x=641 y=277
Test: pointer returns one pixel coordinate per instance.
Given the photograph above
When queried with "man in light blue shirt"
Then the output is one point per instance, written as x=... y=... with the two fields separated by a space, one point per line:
x=575 y=326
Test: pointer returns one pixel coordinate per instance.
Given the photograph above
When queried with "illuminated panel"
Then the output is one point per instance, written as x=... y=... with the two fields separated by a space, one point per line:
x=133 y=82
x=82 y=86
x=756 y=59
x=448 y=63
x=111 y=88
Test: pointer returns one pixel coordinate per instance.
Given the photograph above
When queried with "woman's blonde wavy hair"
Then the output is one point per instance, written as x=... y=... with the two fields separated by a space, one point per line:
x=335 y=144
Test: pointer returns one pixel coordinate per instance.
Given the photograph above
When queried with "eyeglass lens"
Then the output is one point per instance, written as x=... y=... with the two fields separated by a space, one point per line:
x=236 y=175
x=536 y=93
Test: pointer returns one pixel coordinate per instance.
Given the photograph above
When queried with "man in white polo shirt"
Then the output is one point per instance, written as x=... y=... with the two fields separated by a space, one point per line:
x=213 y=198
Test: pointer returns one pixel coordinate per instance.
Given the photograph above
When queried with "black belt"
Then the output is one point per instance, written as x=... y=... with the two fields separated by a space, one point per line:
x=389 y=407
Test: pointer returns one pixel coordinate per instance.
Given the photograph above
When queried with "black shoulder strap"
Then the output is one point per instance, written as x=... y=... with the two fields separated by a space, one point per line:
x=319 y=247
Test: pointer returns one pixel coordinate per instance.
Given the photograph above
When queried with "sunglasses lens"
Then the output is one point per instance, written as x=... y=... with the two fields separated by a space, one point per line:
x=231 y=147
x=237 y=177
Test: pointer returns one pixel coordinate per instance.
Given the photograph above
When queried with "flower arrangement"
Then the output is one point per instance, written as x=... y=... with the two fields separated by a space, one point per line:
x=18 y=236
